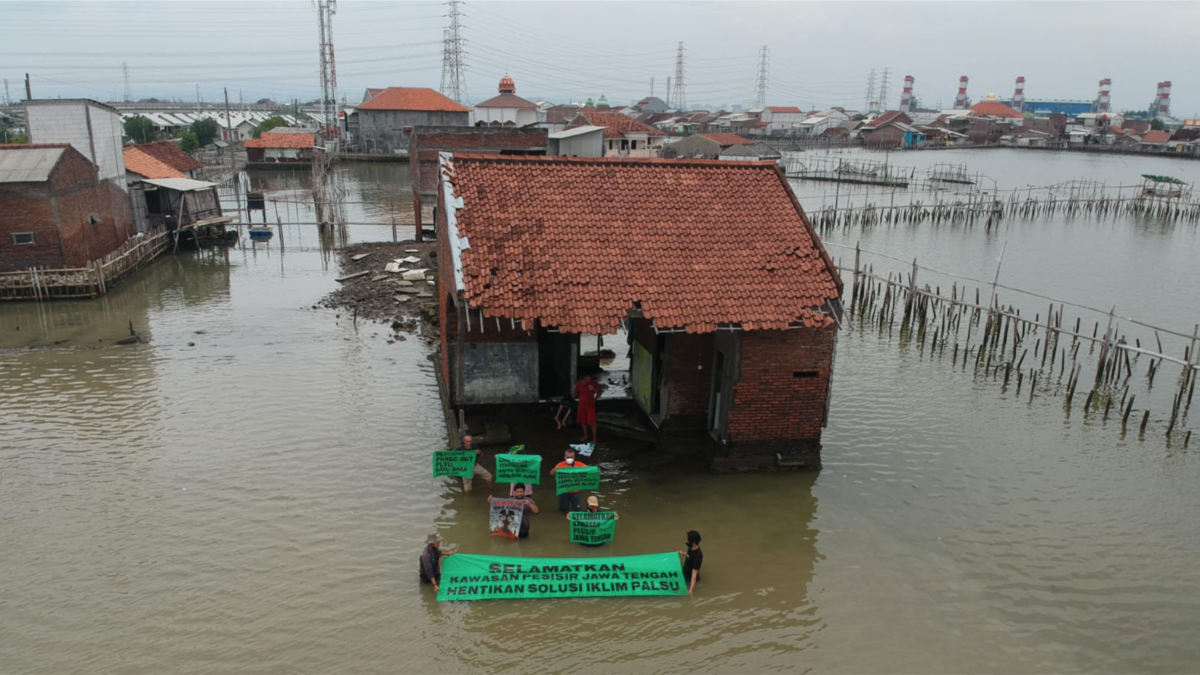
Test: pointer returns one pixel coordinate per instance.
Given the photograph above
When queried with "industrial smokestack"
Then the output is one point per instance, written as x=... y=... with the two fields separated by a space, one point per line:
x=1018 y=101
x=906 y=94
x=1164 y=99
x=1102 y=105
x=960 y=101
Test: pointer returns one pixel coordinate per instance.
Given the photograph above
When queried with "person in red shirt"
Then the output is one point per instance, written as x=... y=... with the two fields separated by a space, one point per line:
x=568 y=501
x=586 y=390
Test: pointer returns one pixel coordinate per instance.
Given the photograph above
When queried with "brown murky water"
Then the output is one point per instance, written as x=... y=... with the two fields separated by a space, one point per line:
x=255 y=503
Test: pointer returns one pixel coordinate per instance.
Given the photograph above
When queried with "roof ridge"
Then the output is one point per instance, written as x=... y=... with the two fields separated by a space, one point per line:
x=683 y=161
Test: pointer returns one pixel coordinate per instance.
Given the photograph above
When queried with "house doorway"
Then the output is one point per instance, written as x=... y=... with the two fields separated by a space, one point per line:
x=557 y=356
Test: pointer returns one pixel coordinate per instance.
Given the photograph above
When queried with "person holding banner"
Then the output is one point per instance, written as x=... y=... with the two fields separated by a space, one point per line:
x=467 y=445
x=430 y=568
x=569 y=501
x=593 y=506
x=691 y=558
x=518 y=492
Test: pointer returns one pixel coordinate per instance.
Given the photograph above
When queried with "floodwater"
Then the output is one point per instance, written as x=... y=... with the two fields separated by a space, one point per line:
x=254 y=502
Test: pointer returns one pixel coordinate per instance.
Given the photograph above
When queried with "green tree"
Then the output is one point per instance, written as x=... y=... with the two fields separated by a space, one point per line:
x=9 y=136
x=1157 y=125
x=148 y=100
x=264 y=101
x=140 y=130
x=188 y=142
x=205 y=130
x=269 y=124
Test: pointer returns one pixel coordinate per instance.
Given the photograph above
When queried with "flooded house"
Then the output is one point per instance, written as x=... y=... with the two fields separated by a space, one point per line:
x=280 y=150
x=384 y=121
x=623 y=135
x=711 y=268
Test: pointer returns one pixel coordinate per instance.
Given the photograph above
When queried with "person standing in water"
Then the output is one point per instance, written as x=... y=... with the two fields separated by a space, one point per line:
x=692 y=558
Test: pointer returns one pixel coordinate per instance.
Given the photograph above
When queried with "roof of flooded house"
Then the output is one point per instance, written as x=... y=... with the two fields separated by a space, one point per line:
x=615 y=124
x=783 y=109
x=420 y=99
x=161 y=159
x=886 y=117
x=280 y=141
x=29 y=162
x=995 y=109
x=507 y=101
x=578 y=242
x=1156 y=137
x=725 y=140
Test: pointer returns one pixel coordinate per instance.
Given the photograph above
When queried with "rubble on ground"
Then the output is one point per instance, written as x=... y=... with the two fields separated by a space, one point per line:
x=388 y=282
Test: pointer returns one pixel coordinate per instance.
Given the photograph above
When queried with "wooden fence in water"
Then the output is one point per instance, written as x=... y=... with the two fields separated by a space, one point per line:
x=92 y=280
x=994 y=340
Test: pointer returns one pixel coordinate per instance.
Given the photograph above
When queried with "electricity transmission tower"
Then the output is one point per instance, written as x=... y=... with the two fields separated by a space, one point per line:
x=869 y=105
x=454 y=66
x=128 y=93
x=760 y=96
x=883 y=90
x=668 y=94
x=679 y=96
x=325 y=12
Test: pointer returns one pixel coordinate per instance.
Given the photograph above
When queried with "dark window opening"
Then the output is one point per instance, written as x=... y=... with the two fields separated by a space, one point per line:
x=22 y=238
x=805 y=374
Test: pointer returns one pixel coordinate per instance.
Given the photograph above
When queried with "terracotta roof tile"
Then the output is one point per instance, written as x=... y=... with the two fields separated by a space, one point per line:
x=1156 y=137
x=270 y=140
x=168 y=153
x=615 y=125
x=725 y=140
x=784 y=109
x=147 y=165
x=576 y=243
x=995 y=109
x=411 y=98
x=507 y=101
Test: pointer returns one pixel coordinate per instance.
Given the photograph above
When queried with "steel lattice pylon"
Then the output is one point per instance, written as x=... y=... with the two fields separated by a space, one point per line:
x=454 y=66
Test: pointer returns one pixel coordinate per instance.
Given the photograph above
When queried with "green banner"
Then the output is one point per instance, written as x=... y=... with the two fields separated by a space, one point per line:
x=484 y=577
x=454 y=463
x=593 y=528
x=577 y=478
x=519 y=469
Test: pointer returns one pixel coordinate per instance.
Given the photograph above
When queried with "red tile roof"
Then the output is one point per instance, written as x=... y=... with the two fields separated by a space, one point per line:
x=615 y=125
x=725 y=140
x=784 y=109
x=161 y=159
x=576 y=243
x=1156 y=137
x=889 y=116
x=995 y=109
x=506 y=101
x=411 y=98
x=280 y=141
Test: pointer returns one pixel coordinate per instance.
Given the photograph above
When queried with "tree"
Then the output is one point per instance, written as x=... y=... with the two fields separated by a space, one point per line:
x=188 y=142
x=269 y=124
x=140 y=129
x=9 y=136
x=148 y=100
x=264 y=101
x=1157 y=125
x=205 y=130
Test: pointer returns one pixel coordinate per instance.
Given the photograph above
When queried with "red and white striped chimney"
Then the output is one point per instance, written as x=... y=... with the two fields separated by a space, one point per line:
x=1102 y=98
x=1018 y=101
x=960 y=101
x=906 y=94
x=1164 y=98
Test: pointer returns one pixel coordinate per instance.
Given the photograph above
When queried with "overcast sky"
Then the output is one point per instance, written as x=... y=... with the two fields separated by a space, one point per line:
x=820 y=53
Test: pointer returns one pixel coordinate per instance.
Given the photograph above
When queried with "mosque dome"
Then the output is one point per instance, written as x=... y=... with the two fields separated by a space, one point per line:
x=507 y=86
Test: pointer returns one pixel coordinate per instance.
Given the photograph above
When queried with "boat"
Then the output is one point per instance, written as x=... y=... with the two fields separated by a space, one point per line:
x=260 y=232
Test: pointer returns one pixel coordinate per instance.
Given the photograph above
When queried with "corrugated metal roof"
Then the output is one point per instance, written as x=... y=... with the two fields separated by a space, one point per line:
x=180 y=184
x=28 y=165
x=577 y=131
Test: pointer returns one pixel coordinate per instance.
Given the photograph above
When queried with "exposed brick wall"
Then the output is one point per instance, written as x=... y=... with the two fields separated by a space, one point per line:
x=770 y=404
x=57 y=213
x=688 y=377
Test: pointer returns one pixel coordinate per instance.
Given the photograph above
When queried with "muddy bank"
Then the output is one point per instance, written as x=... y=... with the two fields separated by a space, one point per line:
x=388 y=282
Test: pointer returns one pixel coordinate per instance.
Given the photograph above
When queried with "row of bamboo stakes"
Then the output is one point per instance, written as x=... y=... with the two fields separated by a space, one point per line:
x=996 y=343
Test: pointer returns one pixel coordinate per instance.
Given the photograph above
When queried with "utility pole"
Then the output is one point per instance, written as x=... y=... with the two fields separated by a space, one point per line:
x=680 y=94
x=325 y=12
x=454 y=67
x=233 y=173
x=668 y=94
x=760 y=95
x=197 y=98
x=8 y=101
x=651 y=86
x=28 y=91
x=128 y=93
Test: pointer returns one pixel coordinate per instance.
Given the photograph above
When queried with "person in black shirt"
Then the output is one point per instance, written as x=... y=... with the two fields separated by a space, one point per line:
x=518 y=492
x=692 y=558
x=431 y=561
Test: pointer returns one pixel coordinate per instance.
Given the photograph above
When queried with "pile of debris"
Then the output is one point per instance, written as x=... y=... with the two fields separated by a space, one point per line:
x=390 y=282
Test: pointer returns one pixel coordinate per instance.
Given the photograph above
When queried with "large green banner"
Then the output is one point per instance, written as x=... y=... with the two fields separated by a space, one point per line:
x=454 y=463
x=577 y=478
x=518 y=469
x=485 y=577
x=588 y=527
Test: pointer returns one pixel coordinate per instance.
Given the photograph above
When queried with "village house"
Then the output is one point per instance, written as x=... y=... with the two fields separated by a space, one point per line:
x=755 y=152
x=1155 y=141
x=556 y=117
x=161 y=159
x=780 y=119
x=892 y=129
x=427 y=143
x=652 y=104
x=383 y=123
x=728 y=295
x=578 y=142
x=623 y=135
x=506 y=109
x=55 y=211
x=707 y=146
x=280 y=149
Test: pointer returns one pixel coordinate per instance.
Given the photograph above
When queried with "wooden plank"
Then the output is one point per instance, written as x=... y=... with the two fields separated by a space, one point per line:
x=356 y=275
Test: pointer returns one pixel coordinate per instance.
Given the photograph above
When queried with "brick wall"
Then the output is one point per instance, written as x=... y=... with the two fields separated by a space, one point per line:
x=770 y=403
x=687 y=369
x=27 y=214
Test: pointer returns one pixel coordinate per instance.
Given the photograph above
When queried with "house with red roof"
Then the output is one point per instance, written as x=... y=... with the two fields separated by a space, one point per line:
x=781 y=119
x=623 y=135
x=712 y=269
x=707 y=146
x=280 y=149
x=161 y=159
x=506 y=109
x=384 y=121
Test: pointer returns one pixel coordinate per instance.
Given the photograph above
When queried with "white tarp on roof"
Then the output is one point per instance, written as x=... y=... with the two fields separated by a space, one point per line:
x=577 y=131
x=28 y=165
x=180 y=184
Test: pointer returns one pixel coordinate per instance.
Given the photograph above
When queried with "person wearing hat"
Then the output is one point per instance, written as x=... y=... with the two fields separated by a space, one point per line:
x=692 y=558
x=431 y=561
x=568 y=501
x=593 y=505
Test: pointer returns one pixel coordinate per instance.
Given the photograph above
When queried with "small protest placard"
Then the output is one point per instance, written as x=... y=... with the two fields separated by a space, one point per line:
x=506 y=517
x=460 y=463
x=576 y=478
x=593 y=527
x=519 y=469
